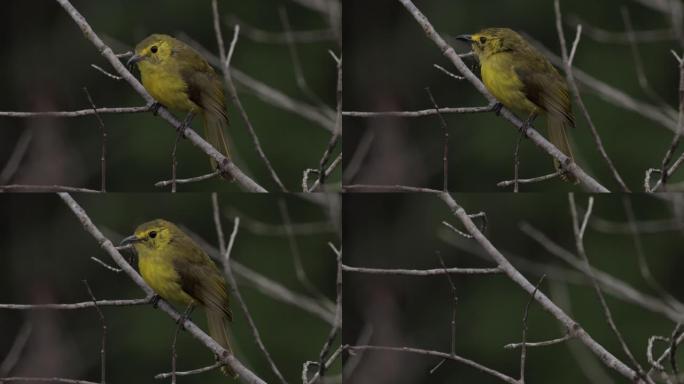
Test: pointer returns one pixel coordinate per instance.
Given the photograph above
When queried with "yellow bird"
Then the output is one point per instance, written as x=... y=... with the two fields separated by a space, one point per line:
x=181 y=272
x=179 y=78
x=523 y=80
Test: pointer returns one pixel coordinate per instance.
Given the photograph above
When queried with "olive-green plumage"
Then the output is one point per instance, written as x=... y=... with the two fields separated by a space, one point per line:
x=523 y=80
x=180 y=271
x=179 y=78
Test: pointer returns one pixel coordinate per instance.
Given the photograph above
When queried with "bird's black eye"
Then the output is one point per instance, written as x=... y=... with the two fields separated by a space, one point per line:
x=153 y=234
x=153 y=49
x=482 y=39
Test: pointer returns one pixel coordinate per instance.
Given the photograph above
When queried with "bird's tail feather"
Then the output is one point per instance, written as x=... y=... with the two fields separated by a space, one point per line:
x=215 y=124
x=558 y=128
x=217 y=323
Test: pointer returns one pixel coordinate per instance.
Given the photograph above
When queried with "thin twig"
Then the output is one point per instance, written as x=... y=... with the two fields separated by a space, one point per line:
x=448 y=73
x=337 y=325
x=217 y=223
x=12 y=357
x=337 y=132
x=454 y=301
x=208 y=368
x=360 y=152
x=446 y=356
x=179 y=325
x=115 y=77
x=174 y=161
x=20 y=149
x=195 y=179
x=523 y=349
x=516 y=163
x=445 y=149
x=102 y=263
x=537 y=179
x=575 y=43
x=103 y=348
x=545 y=343
x=103 y=151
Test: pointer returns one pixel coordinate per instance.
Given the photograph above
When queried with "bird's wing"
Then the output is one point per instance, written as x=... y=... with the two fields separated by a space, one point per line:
x=200 y=279
x=204 y=87
x=545 y=87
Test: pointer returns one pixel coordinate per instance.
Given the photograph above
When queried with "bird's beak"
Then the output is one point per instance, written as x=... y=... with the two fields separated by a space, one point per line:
x=467 y=38
x=129 y=240
x=134 y=59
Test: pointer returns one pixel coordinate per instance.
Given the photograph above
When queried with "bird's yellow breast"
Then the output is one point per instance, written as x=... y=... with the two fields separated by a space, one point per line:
x=167 y=86
x=498 y=75
x=160 y=274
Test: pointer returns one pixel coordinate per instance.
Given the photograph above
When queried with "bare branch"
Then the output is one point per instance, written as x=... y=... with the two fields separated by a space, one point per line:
x=423 y=272
x=78 y=113
x=420 y=113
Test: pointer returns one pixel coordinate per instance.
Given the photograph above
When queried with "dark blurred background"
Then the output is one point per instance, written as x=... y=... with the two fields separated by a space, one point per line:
x=406 y=231
x=45 y=64
x=45 y=255
x=390 y=63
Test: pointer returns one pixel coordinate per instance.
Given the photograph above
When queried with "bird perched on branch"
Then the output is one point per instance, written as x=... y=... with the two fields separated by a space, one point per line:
x=523 y=80
x=179 y=78
x=179 y=271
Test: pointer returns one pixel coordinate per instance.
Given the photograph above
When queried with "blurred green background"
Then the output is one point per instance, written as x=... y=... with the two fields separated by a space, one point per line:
x=46 y=256
x=45 y=64
x=405 y=231
x=390 y=63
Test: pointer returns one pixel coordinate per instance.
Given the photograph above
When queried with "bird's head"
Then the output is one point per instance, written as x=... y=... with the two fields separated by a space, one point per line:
x=152 y=236
x=154 y=50
x=492 y=40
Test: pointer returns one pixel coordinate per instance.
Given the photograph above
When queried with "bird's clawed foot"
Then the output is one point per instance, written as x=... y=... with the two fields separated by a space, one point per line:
x=154 y=107
x=186 y=315
x=527 y=124
x=185 y=124
x=154 y=300
x=497 y=108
